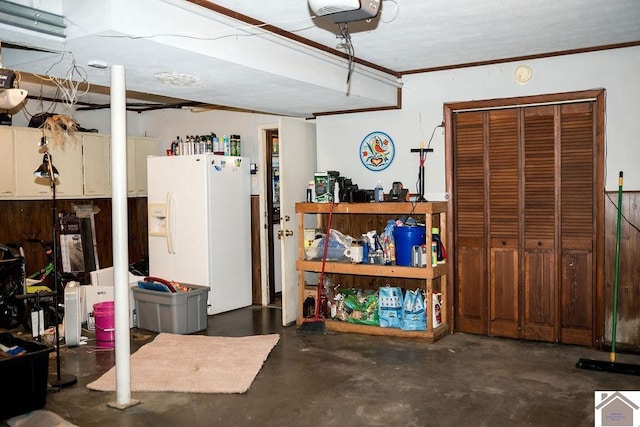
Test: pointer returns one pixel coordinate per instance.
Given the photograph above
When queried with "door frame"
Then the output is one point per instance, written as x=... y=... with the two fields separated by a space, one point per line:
x=266 y=231
x=596 y=95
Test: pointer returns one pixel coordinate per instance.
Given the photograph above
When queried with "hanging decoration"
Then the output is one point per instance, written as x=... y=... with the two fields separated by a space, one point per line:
x=58 y=128
x=377 y=151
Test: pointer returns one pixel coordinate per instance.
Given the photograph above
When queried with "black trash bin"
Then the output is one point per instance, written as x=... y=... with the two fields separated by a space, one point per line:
x=24 y=378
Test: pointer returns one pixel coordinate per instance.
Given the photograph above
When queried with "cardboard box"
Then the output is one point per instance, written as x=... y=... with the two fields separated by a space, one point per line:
x=176 y=313
x=323 y=187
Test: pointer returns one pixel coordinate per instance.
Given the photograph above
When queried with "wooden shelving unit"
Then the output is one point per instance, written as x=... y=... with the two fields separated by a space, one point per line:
x=429 y=278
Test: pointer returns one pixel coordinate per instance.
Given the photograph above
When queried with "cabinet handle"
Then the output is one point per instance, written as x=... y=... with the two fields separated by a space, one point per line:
x=504 y=243
x=539 y=243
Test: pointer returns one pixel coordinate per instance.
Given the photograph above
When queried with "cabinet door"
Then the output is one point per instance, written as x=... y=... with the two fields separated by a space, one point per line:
x=131 y=167
x=138 y=149
x=68 y=161
x=7 y=163
x=145 y=147
x=29 y=157
x=96 y=163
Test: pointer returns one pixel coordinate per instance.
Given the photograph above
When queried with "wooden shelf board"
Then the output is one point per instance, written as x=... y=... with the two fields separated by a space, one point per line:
x=374 y=208
x=428 y=336
x=373 y=269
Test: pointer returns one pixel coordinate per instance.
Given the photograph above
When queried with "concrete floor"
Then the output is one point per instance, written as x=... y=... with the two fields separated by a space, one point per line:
x=357 y=380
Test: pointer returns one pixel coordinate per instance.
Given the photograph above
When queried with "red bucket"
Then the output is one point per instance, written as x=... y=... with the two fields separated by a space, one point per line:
x=103 y=312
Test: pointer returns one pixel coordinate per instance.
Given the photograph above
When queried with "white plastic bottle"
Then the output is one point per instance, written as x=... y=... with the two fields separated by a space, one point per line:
x=378 y=192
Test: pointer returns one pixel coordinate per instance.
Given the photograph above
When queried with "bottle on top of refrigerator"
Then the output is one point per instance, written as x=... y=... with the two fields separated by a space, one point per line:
x=183 y=147
x=227 y=147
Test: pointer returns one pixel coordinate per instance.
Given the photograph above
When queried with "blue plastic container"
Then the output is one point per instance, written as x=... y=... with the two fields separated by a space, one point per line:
x=405 y=238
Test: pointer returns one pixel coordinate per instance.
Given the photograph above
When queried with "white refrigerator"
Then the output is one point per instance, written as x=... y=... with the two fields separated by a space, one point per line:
x=200 y=225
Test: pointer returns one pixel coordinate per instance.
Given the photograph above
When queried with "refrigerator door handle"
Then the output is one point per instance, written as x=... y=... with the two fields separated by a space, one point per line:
x=170 y=222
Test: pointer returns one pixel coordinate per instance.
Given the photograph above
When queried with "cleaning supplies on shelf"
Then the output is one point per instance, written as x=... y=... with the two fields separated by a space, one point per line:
x=441 y=252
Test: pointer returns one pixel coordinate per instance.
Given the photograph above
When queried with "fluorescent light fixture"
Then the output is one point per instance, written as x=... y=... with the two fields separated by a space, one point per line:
x=32 y=19
x=11 y=98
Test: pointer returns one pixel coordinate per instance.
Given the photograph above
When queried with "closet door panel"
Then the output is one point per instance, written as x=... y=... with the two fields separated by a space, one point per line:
x=578 y=222
x=504 y=292
x=577 y=297
x=503 y=222
x=470 y=205
x=471 y=290
x=539 y=224
x=540 y=302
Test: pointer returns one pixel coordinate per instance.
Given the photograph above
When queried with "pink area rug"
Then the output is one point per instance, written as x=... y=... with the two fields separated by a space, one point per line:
x=194 y=364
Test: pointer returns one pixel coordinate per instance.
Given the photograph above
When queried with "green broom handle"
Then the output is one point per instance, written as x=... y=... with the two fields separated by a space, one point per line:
x=612 y=355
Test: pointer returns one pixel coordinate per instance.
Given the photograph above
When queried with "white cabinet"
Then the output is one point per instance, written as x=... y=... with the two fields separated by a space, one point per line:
x=83 y=164
x=138 y=149
x=28 y=159
x=96 y=164
x=66 y=159
x=7 y=163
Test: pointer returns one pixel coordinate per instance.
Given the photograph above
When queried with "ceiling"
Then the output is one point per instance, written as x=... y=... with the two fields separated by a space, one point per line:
x=276 y=57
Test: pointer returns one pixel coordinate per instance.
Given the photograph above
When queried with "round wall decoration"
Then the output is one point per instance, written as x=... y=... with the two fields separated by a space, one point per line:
x=377 y=151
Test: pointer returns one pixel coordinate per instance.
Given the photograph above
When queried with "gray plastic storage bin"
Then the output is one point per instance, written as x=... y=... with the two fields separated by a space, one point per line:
x=176 y=313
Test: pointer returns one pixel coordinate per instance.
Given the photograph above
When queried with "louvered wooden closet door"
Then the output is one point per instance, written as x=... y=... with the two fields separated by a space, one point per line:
x=469 y=206
x=577 y=222
x=525 y=221
x=540 y=317
x=503 y=222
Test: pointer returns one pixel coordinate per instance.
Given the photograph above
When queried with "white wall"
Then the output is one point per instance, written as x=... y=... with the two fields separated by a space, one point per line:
x=166 y=125
x=339 y=137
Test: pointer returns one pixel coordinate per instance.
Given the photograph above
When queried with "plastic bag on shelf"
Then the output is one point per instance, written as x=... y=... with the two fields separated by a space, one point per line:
x=338 y=242
x=414 y=315
x=390 y=306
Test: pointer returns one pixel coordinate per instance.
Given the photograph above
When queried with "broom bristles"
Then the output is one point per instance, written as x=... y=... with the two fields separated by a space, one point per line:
x=313 y=326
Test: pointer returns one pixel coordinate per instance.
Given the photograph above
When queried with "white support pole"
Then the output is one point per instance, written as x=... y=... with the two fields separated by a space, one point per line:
x=120 y=236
